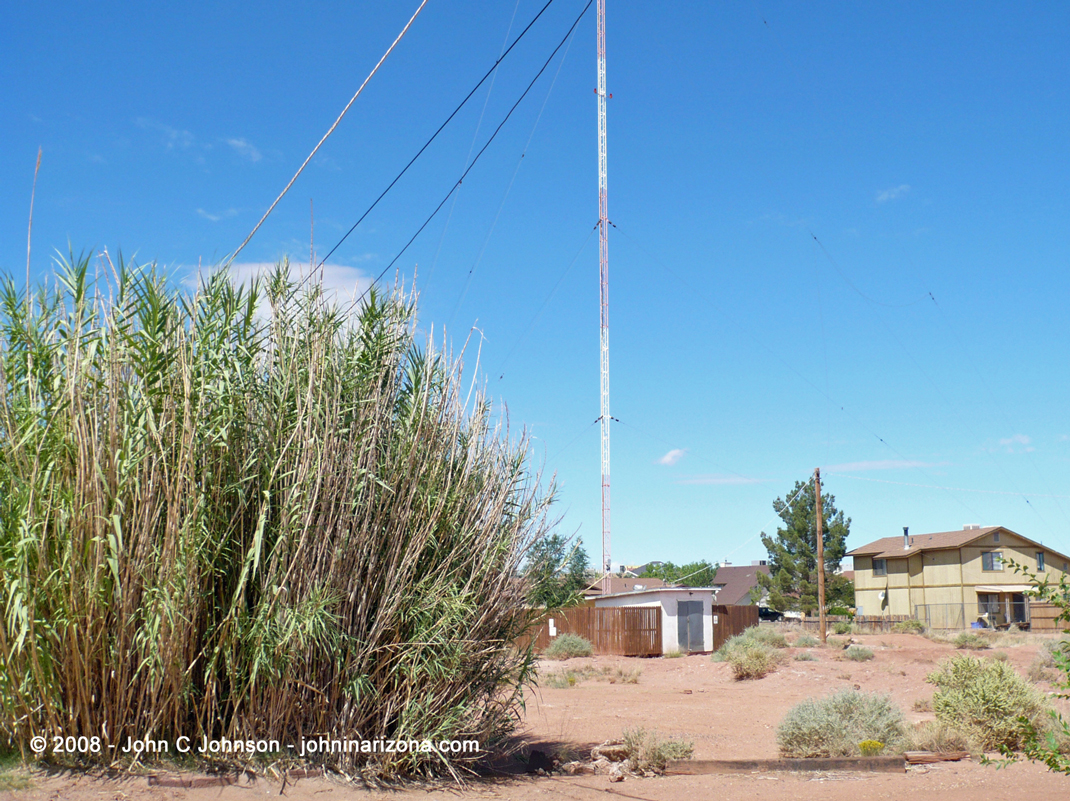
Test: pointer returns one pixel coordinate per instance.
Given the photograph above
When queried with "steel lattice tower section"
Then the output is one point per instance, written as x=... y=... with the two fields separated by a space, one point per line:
x=603 y=293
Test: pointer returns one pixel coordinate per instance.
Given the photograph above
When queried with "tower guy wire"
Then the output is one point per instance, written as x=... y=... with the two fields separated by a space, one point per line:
x=330 y=130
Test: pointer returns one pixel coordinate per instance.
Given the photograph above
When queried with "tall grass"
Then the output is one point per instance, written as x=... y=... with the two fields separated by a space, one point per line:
x=216 y=521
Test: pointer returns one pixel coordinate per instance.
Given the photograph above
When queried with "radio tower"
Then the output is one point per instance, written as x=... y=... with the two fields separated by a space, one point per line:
x=603 y=291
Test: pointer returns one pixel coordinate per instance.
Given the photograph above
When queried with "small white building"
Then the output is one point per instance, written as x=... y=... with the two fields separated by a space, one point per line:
x=686 y=615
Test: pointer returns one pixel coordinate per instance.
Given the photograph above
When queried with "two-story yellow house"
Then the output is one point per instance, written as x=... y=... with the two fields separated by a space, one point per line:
x=952 y=579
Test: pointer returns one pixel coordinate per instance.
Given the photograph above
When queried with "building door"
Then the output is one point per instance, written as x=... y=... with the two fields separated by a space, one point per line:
x=689 y=626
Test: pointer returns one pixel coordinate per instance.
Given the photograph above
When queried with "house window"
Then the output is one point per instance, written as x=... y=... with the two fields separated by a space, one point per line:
x=992 y=560
x=995 y=537
x=880 y=567
x=1040 y=560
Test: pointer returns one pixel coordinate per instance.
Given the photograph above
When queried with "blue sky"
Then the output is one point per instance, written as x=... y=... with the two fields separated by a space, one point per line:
x=841 y=232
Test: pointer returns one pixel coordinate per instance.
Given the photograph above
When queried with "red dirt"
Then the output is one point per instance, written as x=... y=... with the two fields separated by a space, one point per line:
x=692 y=697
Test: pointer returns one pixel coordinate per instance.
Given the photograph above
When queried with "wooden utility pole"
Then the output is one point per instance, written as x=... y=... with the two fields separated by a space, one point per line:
x=820 y=559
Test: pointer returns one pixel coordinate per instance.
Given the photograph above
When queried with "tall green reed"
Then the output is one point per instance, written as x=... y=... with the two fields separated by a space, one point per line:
x=221 y=521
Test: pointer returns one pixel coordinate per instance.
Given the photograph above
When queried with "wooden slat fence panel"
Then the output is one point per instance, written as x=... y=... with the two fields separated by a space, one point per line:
x=869 y=624
x=732 y=620
x=1042 y=617
x=619 y=631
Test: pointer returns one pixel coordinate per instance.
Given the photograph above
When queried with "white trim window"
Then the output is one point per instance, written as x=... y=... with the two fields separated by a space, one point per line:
x=992 y=561
x=880 y=567
x=1040 y=561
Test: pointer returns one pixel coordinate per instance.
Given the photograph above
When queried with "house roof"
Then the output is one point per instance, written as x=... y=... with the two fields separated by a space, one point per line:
x=736 y=581
x=655 y=591
x=619 y=585
x=892 y=547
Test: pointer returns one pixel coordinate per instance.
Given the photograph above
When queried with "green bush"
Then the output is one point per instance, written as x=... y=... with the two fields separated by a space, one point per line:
x=568 y=646
x=766 y=635
x=754 y=661
x=969 y=640
x=806 y=641
x=912 y=626
x=648 y=750
x=836 y=725
x=858 y=653
x=985 y=699
x=841 y=627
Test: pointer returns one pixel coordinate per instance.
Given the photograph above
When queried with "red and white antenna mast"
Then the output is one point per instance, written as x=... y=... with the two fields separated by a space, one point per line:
x=603 y=292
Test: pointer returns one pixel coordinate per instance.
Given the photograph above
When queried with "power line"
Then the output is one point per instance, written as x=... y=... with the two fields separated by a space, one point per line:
x=954 y=489
x=703 y=296
x=509 y=188
x=545 y=302
x=475 y=160
x=330 y=130
x=437 y=132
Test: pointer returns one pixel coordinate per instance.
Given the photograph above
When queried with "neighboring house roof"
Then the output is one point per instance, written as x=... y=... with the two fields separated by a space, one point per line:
x=618 y=585
x=892 y=547
x=735 y=583
x=656 y=591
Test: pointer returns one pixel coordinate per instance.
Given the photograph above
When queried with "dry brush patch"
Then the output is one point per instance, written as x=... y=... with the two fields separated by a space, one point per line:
x=220 y=523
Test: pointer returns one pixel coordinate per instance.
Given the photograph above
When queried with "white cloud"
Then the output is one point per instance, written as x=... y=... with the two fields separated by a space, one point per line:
x=245 y=149
x=341 y=284
x=216 y=217
x=1017 y=439
x=717 y=478
x=893 y=193
x=172 y=137
x=877 y=464
x=672 y=457
x=1019 y=443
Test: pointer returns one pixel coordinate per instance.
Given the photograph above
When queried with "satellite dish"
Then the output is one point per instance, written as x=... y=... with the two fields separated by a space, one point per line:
x=881 y=596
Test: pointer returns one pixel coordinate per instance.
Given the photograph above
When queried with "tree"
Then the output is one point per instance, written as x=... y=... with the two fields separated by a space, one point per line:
x=792 y=583
x=1042 y=743
x=693 y=574
x=556 y=572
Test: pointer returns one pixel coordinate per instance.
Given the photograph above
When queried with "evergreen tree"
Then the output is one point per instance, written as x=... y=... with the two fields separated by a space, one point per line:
x=693 y=574
x=792 y=583
x=556 y=572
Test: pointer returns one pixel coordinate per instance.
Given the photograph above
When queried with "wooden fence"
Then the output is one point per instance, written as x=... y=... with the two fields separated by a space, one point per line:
x=619 y=631
x=730 y=621
x=1042 y=617
x=869 y=624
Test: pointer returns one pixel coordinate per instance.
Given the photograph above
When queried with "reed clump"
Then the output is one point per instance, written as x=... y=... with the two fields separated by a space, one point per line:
x=247 y=513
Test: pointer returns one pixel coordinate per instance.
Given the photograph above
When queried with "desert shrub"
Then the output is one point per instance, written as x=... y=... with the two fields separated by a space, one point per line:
x=1001 y=656
x=912 y=626
x=870 y=748
x=805 y=656
x=767 y=635
x=673 y=654
x=754 y=660
x=560 y=681
x=568 y=646
x=648 y=750
x=923 y=705
x=806 y=641
x=625 y=676
x=934 y=735
x=858 y=653
x=1044 y=665
x=841 y=627
x=836 y=725
x=985 y=699
x=247 y=512
x=969 y=640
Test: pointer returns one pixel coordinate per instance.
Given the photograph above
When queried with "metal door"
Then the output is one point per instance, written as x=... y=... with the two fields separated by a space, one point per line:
x=689 y=626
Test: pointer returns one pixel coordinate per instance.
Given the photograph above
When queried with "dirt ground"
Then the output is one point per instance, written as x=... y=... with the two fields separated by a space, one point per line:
x=691 y=697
